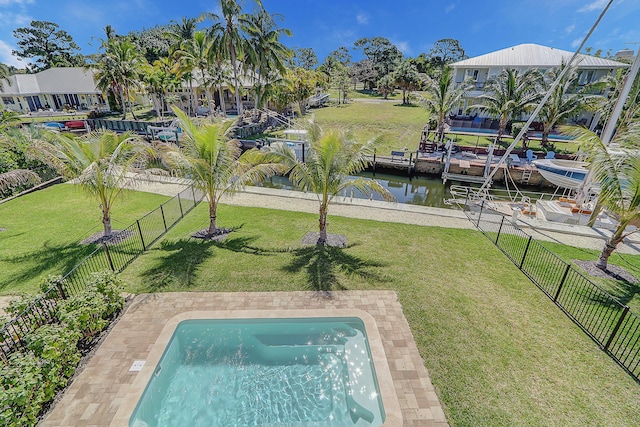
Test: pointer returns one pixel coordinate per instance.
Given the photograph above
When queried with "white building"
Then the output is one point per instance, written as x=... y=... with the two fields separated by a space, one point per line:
x=523 y=57
x=52 y=89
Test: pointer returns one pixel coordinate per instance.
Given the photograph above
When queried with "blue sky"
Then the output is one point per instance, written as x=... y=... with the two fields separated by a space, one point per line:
x=481 y=26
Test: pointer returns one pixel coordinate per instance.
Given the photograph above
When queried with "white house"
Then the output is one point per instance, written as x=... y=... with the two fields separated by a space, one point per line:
x=52 y=89
x=522 y=57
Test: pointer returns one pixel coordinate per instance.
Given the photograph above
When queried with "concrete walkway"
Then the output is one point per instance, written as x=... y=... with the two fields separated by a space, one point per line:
x=573 y=235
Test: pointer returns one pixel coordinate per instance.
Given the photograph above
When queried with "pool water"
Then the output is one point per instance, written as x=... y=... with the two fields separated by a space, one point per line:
x=264 y=372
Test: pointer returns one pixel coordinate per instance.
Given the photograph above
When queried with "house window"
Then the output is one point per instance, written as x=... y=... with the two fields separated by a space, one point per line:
x=8 y=100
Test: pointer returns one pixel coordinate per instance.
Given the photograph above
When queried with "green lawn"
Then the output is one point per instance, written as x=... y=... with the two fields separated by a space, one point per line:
x=500 y=353
x=401 y=125
x=43 y=230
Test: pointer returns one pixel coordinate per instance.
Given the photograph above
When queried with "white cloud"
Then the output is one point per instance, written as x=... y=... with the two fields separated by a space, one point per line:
x=15 y=2
x=575 y=43
x=7 y=58
x=403 y=47
x=569 y=29
x=449 y=8
x=362 y=18
x=595 y=5
x=14 y=20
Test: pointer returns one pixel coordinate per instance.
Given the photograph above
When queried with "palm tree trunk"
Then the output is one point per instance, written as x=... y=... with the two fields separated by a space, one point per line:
x=235 y=80
x=223 y=107
x=322 y=222
x=611 y=245
x=213 y=207
x=124 y=106
x=106 y=222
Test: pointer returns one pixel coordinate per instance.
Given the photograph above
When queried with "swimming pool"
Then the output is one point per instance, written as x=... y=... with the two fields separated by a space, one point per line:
x=246 y=372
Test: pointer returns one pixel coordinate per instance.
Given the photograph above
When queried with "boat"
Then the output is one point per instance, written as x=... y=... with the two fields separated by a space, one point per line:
x=563 y=173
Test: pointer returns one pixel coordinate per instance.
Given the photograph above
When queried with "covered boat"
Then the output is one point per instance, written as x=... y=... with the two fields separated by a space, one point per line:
x=563 y=173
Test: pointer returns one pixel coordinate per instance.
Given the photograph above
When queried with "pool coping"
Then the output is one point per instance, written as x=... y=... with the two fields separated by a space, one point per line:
x=393 y=413
x=97 y=393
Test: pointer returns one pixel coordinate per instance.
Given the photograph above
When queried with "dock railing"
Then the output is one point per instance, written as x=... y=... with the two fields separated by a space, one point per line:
x=599 y=314
x=112 y=255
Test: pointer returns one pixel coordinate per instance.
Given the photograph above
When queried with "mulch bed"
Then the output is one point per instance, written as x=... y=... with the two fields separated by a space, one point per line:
x=219 y=235
x=334 y=240
x=613 y=272
x=117 y=236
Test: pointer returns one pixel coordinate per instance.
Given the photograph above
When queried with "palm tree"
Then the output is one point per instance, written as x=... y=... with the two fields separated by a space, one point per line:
x=4 y=76
x=617 y=171
x=442 y=97
x=17 y=177
x=406 y=76
x=564 y=101
x=268 y=55
x=229 y=35
x=214 y=164
x=101 y=163
x=193 y=54
x=333 y=157
x=119 y=69
x=509 y=94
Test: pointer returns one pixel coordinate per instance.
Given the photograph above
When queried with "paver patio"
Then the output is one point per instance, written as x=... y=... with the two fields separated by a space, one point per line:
x=98 y=393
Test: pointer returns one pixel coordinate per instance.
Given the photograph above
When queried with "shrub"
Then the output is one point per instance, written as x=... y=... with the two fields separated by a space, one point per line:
x=110 y=286
x=57 y=347
x=21 y=394
x=84 y=313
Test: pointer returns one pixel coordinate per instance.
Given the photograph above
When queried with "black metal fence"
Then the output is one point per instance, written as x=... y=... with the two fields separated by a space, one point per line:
x=605 y=319
x=112 y=255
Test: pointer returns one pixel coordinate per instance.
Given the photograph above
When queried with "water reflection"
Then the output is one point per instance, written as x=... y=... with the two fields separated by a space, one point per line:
x=419 y=190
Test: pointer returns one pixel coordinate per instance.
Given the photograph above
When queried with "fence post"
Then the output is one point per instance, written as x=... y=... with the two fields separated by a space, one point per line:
x=374 y=162
x=144 y=247
x=61 y=291
x=615 y=330
x=164 y=221
x=106 y=251
x=564 y=277
x=180 y=204
x=480 y=214
x=524 y=255
x=499 y=230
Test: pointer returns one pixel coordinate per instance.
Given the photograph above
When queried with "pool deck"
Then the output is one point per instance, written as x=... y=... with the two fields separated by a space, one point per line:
x=102 y=388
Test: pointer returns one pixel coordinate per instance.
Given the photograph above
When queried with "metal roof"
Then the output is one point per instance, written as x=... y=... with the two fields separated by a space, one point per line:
x=51 y=81
x=534 y=55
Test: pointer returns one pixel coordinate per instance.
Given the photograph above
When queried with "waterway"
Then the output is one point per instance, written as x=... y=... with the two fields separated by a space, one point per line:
x=419 y=190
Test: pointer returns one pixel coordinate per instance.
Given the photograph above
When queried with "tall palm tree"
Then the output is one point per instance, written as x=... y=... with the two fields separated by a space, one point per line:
x=510 y=94
x=214 y=164
x=230 y=35
x=194 y=55
x=565 y=100
x=616 y=168
x=101 y=163
x=119 y=69
x=268 y=55
x=442 y=97
x=333 y=157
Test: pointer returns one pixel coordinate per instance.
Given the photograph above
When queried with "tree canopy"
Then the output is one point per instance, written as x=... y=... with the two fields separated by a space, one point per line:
x=49 y=45
x=384 y=54
x=446 y=51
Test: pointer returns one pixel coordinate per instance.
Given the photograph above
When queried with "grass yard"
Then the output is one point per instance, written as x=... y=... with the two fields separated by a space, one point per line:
x=500 y=353
x=399 y=125
x=43 y=230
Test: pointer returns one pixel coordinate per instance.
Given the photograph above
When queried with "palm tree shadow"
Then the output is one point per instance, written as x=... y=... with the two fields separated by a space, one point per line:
x=178 y=263
x=179 y=260
x=323 y=264
x=53 y=258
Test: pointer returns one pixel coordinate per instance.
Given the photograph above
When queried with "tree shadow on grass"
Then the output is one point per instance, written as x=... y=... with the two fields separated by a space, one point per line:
x=179 y=260
x=50 y=258
x=323 y=264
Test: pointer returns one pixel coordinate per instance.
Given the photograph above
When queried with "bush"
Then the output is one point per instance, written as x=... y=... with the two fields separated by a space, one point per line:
x=84 y=313
x=110 y=287
x=21 y=394
x=57 y=347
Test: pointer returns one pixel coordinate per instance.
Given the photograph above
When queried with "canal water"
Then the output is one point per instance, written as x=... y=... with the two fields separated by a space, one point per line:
x=419 y=190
